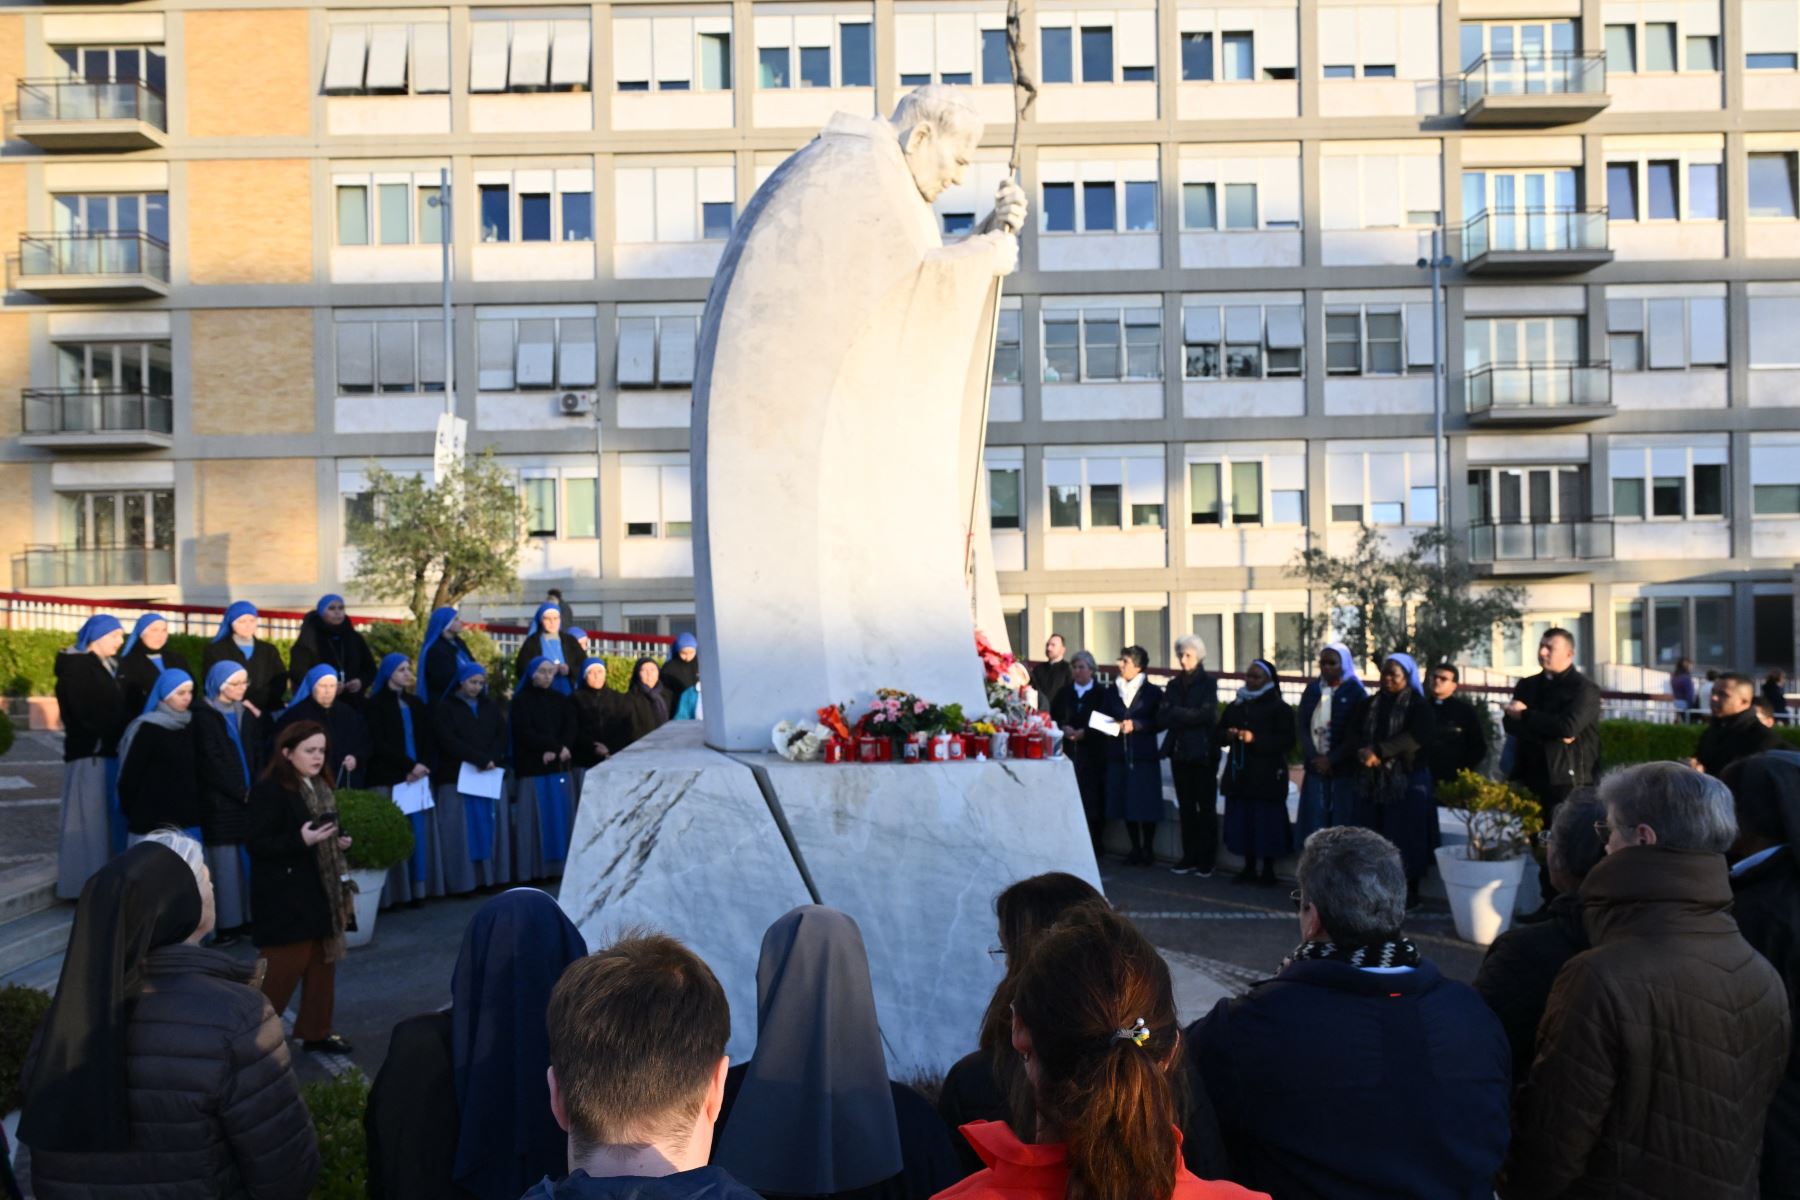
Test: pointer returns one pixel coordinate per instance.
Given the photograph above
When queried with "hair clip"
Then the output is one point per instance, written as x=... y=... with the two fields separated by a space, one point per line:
x=1137 y=1035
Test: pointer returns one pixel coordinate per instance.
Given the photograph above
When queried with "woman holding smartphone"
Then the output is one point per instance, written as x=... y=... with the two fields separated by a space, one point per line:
x=299 y=883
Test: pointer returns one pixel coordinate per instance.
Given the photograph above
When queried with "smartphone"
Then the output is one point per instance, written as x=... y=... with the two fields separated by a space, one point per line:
x=324 y=819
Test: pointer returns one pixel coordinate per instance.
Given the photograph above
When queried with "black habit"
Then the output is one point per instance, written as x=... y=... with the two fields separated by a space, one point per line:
x=543 y=722
x=338 y=646
x=345 y=734
x=268 y=678
x=224 y=792
x=388 y=762
x=92 y=708
x=138 y=672
x=157 y=780
x=464 y=735
x=412 y=1122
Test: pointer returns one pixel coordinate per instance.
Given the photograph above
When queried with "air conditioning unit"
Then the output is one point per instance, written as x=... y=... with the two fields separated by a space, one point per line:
x=576 y=404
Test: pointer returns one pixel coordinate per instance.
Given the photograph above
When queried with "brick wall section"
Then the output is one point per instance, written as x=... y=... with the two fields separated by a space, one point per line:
x=15 y=369
x=15 y=514
x=12 y=57
x=12 y=211
x=248 y=74
x=255 y=522
x=252 y=370
x=250 y=221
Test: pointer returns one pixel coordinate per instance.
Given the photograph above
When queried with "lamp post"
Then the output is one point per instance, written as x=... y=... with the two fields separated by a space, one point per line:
x=452 y=431
x=1437 y=264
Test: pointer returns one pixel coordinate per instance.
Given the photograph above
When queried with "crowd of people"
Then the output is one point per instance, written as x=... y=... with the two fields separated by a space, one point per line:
x=244 y=754
x=1638 y=1044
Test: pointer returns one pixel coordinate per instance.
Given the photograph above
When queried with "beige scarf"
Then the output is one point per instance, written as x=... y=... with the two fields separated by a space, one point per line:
x=333 y=871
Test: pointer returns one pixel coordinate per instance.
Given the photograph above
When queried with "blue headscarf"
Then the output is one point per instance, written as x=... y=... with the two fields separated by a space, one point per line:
x=466 y=671
x=686 y=641
x=537 y=619
x=137 y=631
x=389 y=665
x=531 y=669
x=1346 y=662
x=166 y=682
x=216 y=679
x=1410 y=667
x=589 y=665
x=304 y=692
x=220 y=675
x=434 y=629
x=580 y=635
x=95 y=628
x=239 y=608
x=516 y=948
x=325 y=602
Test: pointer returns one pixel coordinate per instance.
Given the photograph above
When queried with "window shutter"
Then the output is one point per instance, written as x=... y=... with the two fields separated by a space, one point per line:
x=1286 y=327
x=431 y=352
x=537 y=353
x=956 y=43
x=635 y=188
x=569 y=54
x=1243 y=324
x=487 y=56
x=631 y=50
x=1137 y=38
x=387 y=57
x=394 y=354
x=1668 y=335
x=1625 y=316
x=675 y=352
x=1418 y=335
x=1200 y=326
x=344 y=59
x=355 y=355
x=494 y=347
x=913 y=44
x=637 y=351
x=674 y=38
x=640 y=494
x=1706 y=331
x=431 y=58
x=530 y=55
x=575 y=366
x=677 y=494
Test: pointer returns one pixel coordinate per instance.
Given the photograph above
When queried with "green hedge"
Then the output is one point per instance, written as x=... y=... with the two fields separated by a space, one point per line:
x=337 y=1113
x=28 y=657
x=1625 y=742
x=6 y=733
x=22 y=1010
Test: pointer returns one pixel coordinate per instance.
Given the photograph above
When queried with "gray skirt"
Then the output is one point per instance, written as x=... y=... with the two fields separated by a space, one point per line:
x=230 y=868
x=420 y=875
x=84 y=843
x=461 y=872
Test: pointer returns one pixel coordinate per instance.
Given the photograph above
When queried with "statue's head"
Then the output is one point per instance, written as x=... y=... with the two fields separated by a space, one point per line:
x=938 y=131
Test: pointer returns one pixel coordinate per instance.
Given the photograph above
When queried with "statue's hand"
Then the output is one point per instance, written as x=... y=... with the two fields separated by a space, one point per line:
x=1005 y=249
x=1009 y=208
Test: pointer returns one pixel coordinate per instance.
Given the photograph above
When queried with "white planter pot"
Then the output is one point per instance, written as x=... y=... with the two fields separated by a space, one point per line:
x=367 y=901
x=1481 y=894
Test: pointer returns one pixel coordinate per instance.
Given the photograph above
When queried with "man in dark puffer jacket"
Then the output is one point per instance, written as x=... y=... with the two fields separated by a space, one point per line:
x=206 y=1104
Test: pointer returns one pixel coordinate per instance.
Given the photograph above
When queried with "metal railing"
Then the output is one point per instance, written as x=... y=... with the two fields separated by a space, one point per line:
x=73 y=410
x=1552 y=74
x=106 y=566
x=1584 y=539
x=1534 y=230
x=1539 y=385
x=79 y=100
x=106 y=253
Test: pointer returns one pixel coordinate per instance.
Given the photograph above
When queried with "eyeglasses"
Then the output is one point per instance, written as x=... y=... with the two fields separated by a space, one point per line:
x=1298 y=899
x=997 y=953
x=1603 y=831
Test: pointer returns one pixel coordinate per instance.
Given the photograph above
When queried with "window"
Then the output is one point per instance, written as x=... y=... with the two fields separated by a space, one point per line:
x=110 y=520
x=141 y=368
x=1058 y=54
x=772 y=66
x=1775 y=474
x=394 y=355
x=534 y=353
x=657 y=351
x=1242 y=341
x=581 y=509
x=1059 y=208
x=1659 y=46
x=1377 y=339
x=1096 y=53
x=674 y=204
x=1383 y=485
x=815 y=66
x=1765 y=61
x=1199 y=206
x=540 y=507
x=996 y=60
x=535 y=205
x=1672 y=333
x=1703 y=191
x=1621 y=191
x=387 y=59
x=1252 y=489
x=1240 y=206
x=1381 y=191
x=1099 y=207
x=1197 y=57
x=1117 y=493
x=676 y=54
x=1668 y=481
x=1006 y=347
x=1531 y=495
x=1772 y=185
x=114 y=64
x=655 y=496
x=1005 y=502
x=1140 y=206
x=509 y=51
x=1702 y=53
x=857 y=48
x=1109 y=343
x=1239 y=53
x=496 y=212
x=1773 y=319
x=1621 y=49
x=1664 y=205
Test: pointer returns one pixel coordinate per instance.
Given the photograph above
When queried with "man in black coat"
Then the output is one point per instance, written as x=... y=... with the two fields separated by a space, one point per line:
x=1765 y=885
x=1734 y=732
x=1052 y=675
x=1554 y=719
x=1459 y=738
x=1520 y=968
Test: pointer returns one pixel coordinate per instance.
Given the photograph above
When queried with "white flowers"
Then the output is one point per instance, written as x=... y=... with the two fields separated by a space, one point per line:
x=800 y=741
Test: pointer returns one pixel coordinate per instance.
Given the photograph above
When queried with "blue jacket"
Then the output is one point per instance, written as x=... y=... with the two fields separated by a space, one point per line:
x=1346 y=698
x=1344 y=1084
x=703 y=1183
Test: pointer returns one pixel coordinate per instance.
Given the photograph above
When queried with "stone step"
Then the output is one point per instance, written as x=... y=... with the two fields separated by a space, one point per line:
x=30 y=939
x=27 y=887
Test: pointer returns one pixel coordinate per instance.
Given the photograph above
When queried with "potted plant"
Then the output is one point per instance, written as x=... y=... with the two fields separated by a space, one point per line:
x=22 y=1010
x=1481 y=877
x=380 y=836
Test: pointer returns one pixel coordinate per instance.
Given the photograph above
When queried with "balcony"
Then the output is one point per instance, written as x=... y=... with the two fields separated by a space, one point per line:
x=1534 y=89
x=1535 y=241
x=1517 y=548
x=110 y=566
x=73 y=114
x=73 y=419
x=1537 y=394
x=92 y=266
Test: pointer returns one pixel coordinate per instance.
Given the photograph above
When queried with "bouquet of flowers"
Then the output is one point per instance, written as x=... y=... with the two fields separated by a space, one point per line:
x=833 y=719
x=800 y=741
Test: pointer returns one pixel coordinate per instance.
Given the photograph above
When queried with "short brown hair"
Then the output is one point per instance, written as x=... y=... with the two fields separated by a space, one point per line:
x=636 y=1032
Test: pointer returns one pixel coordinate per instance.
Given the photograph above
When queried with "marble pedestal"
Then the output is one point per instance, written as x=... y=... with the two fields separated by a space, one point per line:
x=712 y=847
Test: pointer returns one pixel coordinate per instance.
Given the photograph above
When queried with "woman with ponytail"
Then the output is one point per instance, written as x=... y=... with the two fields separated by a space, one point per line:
x=1093 y=1022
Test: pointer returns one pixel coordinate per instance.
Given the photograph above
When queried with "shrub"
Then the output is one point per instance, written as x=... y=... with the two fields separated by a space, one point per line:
x=6 y=733
x=337 y=1113
x=22 y=1010
x=393 y=637
x=380 y=833
x=1623 y=743
x=1500 y=817
x=28 y=660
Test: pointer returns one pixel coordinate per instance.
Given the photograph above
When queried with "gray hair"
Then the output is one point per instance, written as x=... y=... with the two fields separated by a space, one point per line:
x=1082 y=656
x=940 y=106
x=1187 y=641
x=1688 y=810
x=1353 y=877
x=187 y=847
x=1575 y=846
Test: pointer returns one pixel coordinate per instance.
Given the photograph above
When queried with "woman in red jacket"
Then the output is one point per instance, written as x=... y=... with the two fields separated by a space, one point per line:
x=1094 y=1023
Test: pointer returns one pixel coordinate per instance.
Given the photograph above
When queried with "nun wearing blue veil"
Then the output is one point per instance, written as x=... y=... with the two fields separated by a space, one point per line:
x=474 y=833
x=441 y=655
x=544 y=733
x=236 y=641
x=1396 y=727
x=147 y=654
x=226 y=759
x=93 y=719
x=400 y=752
x=548 y=639
x=1329 y=740
x=158 y=787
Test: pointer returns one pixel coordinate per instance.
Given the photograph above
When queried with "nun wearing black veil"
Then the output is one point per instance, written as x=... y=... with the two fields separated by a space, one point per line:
x=159 y=1070
x=327 y=638
x=813 y=1113
x=147 y=654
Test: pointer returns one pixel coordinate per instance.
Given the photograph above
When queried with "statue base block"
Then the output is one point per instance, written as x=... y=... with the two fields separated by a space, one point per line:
x=712 y=847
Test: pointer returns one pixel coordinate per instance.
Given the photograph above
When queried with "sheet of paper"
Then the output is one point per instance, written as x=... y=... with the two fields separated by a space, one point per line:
x=473 y=781
x=1101 y=723
x=413 y=797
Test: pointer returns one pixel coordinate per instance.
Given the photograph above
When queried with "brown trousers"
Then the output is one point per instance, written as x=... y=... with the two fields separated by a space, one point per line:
x=303 y=965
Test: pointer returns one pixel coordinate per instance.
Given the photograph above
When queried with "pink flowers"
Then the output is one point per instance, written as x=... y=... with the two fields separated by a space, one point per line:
x=919 y=706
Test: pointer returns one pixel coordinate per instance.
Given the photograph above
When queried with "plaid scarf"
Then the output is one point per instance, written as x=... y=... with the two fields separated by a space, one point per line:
x=1397 y=953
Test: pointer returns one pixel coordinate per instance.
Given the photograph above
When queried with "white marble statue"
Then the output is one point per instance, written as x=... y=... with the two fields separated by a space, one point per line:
x=842 y=366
